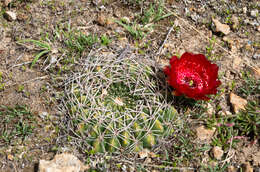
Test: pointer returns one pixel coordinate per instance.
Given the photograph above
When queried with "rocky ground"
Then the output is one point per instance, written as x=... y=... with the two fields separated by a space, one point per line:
x=40 y=46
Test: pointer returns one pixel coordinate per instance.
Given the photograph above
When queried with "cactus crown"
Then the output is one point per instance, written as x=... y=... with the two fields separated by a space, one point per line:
x=114 y=105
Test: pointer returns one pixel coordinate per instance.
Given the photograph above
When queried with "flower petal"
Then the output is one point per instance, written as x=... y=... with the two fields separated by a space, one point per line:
x=167 y=70
x=173 y=59
x=193 y=75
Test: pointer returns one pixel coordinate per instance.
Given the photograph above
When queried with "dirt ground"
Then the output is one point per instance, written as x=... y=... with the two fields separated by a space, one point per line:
x=189 y=27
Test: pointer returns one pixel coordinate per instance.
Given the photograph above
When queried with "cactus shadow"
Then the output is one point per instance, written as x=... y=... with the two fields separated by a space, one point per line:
x=178 y=102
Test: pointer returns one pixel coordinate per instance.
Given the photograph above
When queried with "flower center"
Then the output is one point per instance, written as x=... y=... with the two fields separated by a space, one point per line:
x=190 y=82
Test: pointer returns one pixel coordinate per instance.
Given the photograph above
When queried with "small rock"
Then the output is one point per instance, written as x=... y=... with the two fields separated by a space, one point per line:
x=247 y=167
x=237 y=102
x=217 y=152
x=254 y=13
x=10 y=16
x=62 y=163
x=258 y=28
x=235 y=22
x=221 y=27
x=244 y=10
x=205 y=134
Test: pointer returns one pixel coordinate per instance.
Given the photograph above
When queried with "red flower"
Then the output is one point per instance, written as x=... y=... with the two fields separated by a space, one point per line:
x=193 y=75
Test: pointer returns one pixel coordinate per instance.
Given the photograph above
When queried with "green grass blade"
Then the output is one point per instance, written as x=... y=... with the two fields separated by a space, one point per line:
x=164 y=16
x=37 y=43
x=38 y=56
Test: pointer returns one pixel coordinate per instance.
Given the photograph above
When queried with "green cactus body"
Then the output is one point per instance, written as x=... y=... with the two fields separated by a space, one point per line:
x=83 y=99
x=95 y=131
x=137 y=147
x=125 y=139
x=149 y=140
x=113 y=144
x=137 y=130
x=158 y=126
x=98 y=146
x=73 y=109
x=118 y=106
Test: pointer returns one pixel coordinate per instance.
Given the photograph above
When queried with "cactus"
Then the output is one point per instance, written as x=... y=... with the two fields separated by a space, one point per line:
x=116 y=105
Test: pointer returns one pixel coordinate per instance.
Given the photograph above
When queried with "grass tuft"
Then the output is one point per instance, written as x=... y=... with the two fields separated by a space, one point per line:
x=16 y=123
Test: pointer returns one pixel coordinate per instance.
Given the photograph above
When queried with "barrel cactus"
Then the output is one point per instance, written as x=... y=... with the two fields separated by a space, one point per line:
x=114 y=104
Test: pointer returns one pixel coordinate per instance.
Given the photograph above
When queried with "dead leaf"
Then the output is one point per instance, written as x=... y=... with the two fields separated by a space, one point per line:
x=221 y=27
x=237 y=102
